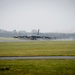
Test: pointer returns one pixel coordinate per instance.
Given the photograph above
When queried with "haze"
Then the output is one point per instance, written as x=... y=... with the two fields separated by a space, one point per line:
x=46 y=15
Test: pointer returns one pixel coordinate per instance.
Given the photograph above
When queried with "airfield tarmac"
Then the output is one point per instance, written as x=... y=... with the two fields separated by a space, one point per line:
x=10 y=39
x=35 y=57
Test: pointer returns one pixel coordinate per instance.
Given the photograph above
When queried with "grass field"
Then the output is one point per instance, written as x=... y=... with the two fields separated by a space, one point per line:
x=37 y=67
x=37 y=48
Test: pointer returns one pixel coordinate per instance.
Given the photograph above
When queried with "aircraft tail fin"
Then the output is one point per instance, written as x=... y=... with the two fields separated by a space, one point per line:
x=38 y=32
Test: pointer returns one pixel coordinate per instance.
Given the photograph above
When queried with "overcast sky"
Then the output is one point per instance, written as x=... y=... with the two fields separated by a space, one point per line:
x=46 y=15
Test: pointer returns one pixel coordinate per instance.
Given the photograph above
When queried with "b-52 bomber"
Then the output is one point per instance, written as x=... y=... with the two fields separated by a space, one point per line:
x=35 y=37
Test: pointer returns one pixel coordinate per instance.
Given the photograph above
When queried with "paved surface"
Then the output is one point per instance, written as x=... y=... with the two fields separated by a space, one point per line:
x=37 y=57
x=13 y=40
x=10 y=39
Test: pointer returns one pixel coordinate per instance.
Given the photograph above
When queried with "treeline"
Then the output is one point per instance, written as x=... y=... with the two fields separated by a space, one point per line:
x=5 y=33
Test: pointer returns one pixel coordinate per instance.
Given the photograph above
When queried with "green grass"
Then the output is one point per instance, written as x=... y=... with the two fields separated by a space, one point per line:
x=37 y=48
x=37 y=67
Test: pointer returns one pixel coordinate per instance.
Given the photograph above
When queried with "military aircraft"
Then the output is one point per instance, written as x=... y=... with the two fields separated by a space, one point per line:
x=35 y=37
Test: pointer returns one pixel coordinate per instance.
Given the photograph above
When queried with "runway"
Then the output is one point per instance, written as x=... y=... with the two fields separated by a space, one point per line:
x=35 y=57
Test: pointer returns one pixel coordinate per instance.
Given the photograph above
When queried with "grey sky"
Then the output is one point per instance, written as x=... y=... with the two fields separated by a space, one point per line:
x=46 y=15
